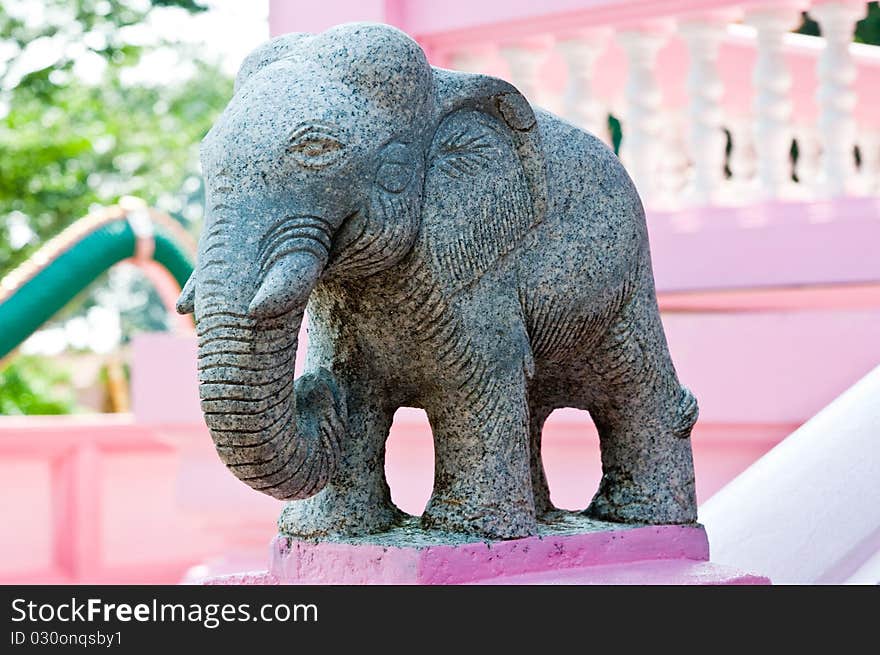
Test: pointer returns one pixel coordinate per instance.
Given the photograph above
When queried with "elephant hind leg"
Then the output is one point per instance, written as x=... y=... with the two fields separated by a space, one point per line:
x=644 y=418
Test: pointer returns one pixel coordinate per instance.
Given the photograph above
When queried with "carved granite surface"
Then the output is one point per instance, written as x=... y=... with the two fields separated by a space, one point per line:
x=459 y=252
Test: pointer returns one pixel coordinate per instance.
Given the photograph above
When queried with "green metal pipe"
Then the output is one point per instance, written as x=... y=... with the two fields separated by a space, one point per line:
x=60 y=280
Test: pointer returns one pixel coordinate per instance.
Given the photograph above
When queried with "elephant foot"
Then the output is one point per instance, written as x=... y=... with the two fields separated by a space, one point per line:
x=336 y=513
x=488 y=521
x=621 y=502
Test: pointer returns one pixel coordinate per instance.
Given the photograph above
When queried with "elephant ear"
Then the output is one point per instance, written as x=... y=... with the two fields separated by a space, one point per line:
x=485 y=185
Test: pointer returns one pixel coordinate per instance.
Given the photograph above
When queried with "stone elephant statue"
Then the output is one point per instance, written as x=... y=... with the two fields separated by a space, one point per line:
x=458 y=252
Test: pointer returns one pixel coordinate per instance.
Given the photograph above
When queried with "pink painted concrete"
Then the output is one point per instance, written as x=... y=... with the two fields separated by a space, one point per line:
x=97 y=499
x=767 y=245
x=622 y=555
x=771 y=367
x=783 y=298
x=104 y=493
x=658 y=572
x=294 y=16
x=163 y=386
x=463 y=20
x=805 y=359
x=301 y=562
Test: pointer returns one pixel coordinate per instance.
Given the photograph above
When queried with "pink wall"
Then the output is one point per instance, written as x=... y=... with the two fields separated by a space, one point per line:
x=109 y=501
x=101 y=499
x=293 y=16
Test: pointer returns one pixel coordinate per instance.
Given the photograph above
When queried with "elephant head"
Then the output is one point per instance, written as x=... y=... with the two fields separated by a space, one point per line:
x=315 y=170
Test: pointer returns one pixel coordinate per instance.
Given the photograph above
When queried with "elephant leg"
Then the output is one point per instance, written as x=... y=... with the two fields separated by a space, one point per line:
x=644 y=417
x=540 y=489
x=481 y=481
x=357 y=500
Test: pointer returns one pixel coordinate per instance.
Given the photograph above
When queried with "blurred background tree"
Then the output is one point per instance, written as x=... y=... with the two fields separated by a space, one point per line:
x=33 y=385
x=95 y=105
x=81 y=125
x=867 y=29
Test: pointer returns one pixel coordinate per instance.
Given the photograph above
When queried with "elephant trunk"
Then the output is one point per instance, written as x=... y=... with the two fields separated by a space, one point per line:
x=246 y=353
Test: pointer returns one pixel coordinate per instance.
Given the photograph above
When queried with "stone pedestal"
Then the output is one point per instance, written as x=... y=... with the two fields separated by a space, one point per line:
x=570 y=550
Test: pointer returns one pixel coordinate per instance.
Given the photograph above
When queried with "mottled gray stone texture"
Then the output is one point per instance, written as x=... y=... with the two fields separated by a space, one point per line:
x=458 y=251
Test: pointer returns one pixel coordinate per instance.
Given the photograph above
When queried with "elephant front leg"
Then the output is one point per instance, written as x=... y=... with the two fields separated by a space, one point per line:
x=482 y=483
x=540 y=489
x=357 y=500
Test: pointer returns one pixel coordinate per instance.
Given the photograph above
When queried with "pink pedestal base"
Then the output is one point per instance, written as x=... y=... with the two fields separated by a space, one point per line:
x=617 y=555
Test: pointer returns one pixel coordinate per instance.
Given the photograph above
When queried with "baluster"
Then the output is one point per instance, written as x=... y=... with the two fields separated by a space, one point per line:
x=808 y=161
x=642 y=113
x=772 y=103
x=869 y=149
x=743 y=159
x=706 y=140
x=580 y=103
x=835 y=95
x=674 y=165
x=524 y=59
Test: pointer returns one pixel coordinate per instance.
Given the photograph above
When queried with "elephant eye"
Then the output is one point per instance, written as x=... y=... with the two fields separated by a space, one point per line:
x=314 y=149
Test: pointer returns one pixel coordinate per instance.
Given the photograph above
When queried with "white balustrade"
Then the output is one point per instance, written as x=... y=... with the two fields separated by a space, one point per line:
x=772 y=104
x=743 y=161
x=681 y=154
x=471 y=60
x=809 y=154
x=640 y=146
x=580 y=103
x=706 y=139
x=835 y=95
x=674 y=166
x=807 y=511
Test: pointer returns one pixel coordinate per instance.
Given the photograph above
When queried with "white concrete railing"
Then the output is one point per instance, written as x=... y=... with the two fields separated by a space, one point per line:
x=710 y=103
x=808 y=511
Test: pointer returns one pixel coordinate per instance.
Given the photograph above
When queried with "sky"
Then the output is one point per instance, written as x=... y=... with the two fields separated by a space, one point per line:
x=229 y=30
x=225 y=33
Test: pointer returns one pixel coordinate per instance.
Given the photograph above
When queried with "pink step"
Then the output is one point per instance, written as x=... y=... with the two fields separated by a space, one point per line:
x=573 y=550
x=657 y=572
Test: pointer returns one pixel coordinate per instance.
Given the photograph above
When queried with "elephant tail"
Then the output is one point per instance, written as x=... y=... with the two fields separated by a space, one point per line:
x=686 y=414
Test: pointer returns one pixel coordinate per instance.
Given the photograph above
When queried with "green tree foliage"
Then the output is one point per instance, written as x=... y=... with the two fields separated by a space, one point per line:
x=67 y=144
x=867 y=29
x=79 y=128
x=70 y=142
x=34 y=385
